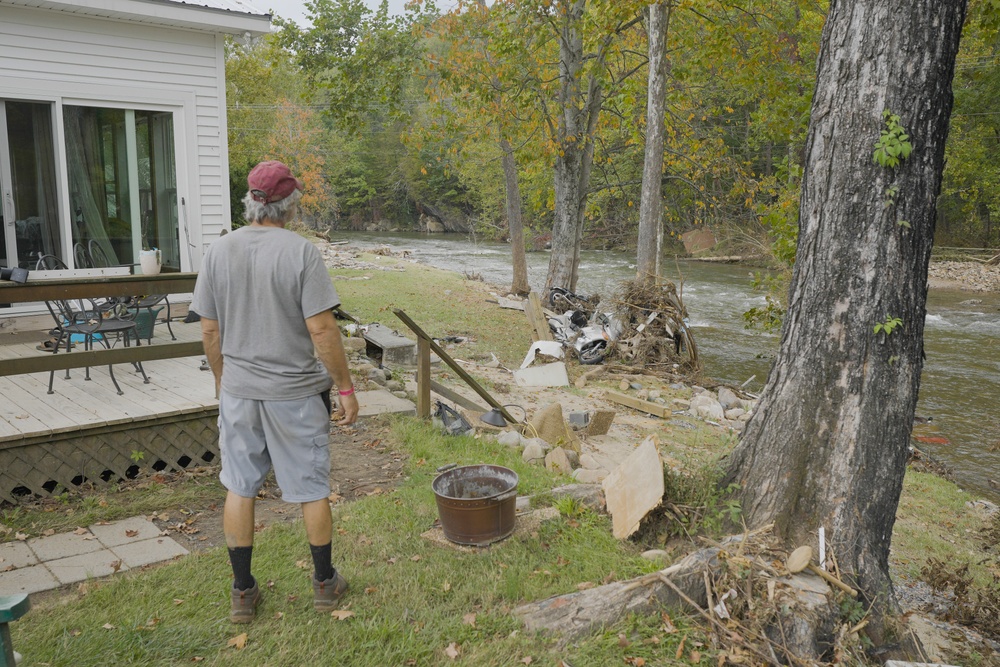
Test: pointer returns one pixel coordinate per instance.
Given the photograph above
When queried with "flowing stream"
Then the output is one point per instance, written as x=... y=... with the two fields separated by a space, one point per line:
x=958 y=389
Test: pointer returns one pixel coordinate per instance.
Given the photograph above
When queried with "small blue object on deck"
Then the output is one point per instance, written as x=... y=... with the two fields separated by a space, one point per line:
x=12 y=607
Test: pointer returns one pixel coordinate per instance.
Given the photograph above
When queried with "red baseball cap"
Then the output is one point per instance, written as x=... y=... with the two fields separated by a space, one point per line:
x=272 y=181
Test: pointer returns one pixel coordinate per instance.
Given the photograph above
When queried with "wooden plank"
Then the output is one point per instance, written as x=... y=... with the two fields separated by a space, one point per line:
x=423 y=378
x=38 y=387
x=637 y=404
x=536 y=318
x=47 y=361
x=455 y=397
x=51 y=289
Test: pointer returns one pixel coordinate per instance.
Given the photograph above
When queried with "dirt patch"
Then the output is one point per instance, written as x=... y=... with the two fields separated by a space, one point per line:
x=361 y=464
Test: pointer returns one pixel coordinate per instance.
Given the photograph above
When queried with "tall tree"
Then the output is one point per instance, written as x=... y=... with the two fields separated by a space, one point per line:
x=585 y=40
x=828 y=445
x=650 y=244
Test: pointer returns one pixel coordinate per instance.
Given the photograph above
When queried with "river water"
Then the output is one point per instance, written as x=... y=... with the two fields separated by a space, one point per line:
x=958 y=389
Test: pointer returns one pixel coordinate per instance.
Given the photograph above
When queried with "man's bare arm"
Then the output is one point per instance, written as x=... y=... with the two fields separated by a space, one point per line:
x=329 y=346
x=212 y=342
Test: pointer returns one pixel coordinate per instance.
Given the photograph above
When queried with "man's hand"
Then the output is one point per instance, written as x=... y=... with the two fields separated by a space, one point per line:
x=347 y=410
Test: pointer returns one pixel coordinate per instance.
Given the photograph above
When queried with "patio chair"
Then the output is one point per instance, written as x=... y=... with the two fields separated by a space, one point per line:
x=147 y=302
x=92 y=321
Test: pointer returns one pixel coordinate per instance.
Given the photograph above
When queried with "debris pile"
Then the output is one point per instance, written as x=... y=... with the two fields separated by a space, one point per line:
x=654 y=326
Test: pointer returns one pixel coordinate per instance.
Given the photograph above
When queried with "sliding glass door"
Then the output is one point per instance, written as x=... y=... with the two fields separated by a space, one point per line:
x=29 y=212
x=122 y=184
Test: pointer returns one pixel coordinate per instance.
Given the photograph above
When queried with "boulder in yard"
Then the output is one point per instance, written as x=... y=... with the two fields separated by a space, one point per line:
x=558 y=461
x=707 y=407
x=549 y=425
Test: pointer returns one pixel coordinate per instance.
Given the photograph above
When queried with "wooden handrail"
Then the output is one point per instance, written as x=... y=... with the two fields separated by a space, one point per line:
x=50 y=289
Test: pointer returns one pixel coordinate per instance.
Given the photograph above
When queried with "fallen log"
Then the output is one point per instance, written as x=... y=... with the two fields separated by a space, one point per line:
x=576 y=614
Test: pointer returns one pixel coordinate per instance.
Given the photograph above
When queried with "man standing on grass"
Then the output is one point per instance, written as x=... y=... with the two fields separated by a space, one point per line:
x=265 y=299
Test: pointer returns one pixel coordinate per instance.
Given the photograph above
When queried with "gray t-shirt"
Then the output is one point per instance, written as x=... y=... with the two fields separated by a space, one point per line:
x=261 y=283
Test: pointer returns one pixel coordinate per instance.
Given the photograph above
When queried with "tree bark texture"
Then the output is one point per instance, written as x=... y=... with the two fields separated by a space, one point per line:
x=579 y=102
x=828 y=445
x=650 y=243
x=515 y=227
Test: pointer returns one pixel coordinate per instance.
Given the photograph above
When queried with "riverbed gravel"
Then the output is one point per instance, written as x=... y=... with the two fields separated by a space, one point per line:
x=965 y=276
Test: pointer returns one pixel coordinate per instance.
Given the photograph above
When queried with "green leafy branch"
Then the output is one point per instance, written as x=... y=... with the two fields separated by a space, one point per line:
x=893 y=145
x=890 y=324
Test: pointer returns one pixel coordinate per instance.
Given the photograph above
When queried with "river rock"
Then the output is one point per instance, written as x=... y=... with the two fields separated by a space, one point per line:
x=400 y=394
x=635 y=385
x=588 y=476
x=745 y=417
x=654 y=394
x=510 y=439
x=377 y=376
x=655 y=555
x=394 y=385
x=353 y=345
x=589 y=462
x=589 y=495
x=623 y=385
x=733 y=414
x=642 y=395
x=728 y=399
x=533 y=453
x=558 y=461
x=983 y=506
x=706 y=406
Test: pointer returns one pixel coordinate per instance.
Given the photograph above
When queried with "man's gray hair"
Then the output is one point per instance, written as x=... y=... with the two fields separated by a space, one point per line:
x=280 y=211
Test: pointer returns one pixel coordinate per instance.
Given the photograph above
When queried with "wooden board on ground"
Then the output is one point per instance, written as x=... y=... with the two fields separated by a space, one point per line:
x=536 y=318
x=638 y=404
x=634 y=488
x=455 y=397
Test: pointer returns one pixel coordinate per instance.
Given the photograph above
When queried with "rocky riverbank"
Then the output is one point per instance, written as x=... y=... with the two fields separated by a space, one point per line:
x=965 y=276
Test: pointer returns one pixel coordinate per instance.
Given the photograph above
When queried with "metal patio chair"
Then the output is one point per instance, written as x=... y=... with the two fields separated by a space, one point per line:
x=146 y=302
x=93 y=321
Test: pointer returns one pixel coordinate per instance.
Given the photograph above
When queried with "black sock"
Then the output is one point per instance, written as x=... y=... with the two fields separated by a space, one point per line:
x=322 y=562
x=240 y=558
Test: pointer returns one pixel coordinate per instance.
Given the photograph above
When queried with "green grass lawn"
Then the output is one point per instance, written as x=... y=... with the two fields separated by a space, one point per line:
x=410 y=598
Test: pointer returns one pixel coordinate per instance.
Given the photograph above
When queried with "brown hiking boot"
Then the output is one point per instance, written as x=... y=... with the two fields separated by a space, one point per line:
x=327 y=593
x=244 y=604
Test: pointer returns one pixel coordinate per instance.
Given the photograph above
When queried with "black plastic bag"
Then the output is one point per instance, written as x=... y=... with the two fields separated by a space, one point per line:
x=452 y=422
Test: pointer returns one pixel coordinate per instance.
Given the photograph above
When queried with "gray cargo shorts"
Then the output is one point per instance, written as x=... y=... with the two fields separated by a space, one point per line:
x=292 y=436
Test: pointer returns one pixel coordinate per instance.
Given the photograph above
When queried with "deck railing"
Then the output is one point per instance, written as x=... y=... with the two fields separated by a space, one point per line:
x=51 y=289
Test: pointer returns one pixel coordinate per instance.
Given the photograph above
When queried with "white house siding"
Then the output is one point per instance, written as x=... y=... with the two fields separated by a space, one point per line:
x=68 y=58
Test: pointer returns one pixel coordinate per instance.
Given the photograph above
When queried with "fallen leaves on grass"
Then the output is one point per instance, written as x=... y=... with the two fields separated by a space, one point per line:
x=108 y=626
x=453 y=650
x=178 y=601
x=238 y=642
x=527 y=660
x=49 y=532
x=469 y=619
x=415 y=558
x=20 y=536
x=341 y=614
x=446 y=587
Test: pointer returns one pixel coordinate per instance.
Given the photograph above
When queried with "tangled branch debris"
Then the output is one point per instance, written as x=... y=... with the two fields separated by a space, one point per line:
x=654 y=331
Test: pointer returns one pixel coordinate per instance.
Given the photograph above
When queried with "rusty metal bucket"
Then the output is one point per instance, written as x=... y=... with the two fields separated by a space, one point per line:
x=476 y=503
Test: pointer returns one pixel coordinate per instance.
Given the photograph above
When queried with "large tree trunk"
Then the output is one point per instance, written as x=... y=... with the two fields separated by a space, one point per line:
x=515 y=227
x=828 y=445
x=578 y=110
x=650 y=243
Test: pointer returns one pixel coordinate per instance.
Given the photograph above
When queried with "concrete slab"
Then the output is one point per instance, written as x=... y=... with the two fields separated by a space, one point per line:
x=395 y=350
x=146 y=552
x=63 y=545
x=547 y=375
x=86 y=566
x=126 y=531
x=15 y=555
x=27 y=580
x=634 y=488
x=380 y=402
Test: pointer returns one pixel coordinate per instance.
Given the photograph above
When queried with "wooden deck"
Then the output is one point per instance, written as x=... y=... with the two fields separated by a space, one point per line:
x=176 y=386
x=85 y=431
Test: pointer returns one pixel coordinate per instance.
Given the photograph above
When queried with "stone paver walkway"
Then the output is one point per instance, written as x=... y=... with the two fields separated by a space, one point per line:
x=43 y=563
